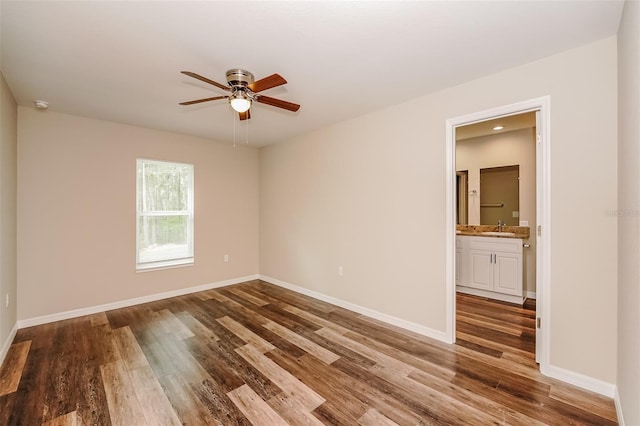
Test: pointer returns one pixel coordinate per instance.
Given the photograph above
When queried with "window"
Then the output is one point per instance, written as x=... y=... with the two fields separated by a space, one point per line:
x=164 y=193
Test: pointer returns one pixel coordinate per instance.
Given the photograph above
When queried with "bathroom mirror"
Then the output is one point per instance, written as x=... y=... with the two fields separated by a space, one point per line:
x=500 y=195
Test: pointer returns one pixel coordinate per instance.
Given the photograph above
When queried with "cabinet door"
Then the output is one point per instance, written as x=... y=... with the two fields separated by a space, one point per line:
x=508 y=273
x=461 y=267
x=458 y=264
x=480 y=269
x=462 y=260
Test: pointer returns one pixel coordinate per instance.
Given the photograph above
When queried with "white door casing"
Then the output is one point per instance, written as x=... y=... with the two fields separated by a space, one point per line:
x=542 y=107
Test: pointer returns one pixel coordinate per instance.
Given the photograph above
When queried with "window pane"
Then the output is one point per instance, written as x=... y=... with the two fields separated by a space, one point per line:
x=164 y=186
x=163 y=238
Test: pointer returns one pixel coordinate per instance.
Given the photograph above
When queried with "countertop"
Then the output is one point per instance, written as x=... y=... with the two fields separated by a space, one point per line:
x=521 y=232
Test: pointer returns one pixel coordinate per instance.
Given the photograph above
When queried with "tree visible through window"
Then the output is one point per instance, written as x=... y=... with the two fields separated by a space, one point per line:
x=164 y=214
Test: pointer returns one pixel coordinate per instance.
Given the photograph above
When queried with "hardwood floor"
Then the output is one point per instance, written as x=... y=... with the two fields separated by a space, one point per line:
x=258 y=354
x=498 y=329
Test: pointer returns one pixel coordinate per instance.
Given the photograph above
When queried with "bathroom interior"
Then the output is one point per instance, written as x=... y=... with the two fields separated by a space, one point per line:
x=495 y=227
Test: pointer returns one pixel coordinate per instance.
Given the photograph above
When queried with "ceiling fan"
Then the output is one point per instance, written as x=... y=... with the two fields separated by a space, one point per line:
x=244 y=90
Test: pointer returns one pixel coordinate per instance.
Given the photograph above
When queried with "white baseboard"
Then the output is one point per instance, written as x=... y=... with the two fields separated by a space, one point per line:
x=389 y=319
x=582 y=381
x=7 y=343
x=129 y=302
x=616 y=400
x=494 y=295
x=519 y=300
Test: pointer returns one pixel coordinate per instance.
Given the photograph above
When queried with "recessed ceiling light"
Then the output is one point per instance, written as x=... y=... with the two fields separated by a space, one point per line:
x=498 y=128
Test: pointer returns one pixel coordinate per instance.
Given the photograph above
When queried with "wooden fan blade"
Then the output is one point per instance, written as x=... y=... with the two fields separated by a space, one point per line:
x=197 y=101
x=206 y=80
x=245 y=115
x=273 y=80
x=277 y=103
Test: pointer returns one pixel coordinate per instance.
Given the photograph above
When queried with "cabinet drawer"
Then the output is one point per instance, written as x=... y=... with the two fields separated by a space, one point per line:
x=506 y=245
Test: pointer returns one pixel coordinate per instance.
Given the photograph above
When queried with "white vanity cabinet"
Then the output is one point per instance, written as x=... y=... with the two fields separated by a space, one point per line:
x=490 y=267
x=462 y=267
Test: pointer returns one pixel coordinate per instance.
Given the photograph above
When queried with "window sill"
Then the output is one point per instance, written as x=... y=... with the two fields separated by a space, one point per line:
x=169 y=264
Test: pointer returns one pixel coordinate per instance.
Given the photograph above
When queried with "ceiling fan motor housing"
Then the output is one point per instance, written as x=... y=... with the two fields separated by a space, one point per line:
x=239 y=77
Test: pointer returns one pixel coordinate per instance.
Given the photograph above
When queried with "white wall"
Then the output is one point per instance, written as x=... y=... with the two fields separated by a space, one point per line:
x=8 y=189
x=629 y=209
x=504 y=149
x=369 y=194
x=76 y=211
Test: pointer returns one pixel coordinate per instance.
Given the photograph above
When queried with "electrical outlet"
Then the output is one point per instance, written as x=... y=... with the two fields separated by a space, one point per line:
x=340 y=270
x=226 y=258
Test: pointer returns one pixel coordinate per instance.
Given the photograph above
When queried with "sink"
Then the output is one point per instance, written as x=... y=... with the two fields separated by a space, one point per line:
x=499 y=234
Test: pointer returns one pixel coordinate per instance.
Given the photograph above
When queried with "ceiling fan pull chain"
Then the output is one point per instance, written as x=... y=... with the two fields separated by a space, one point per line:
x=247 y=132
x=233 y=118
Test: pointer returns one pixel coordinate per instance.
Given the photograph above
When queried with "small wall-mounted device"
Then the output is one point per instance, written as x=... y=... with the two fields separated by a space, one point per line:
x=41 y=104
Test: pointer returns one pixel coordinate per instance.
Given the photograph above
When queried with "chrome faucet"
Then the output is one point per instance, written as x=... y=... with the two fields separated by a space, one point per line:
x=500 y=225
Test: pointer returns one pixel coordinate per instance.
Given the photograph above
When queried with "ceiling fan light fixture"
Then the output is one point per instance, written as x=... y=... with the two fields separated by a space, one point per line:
x=240 y=101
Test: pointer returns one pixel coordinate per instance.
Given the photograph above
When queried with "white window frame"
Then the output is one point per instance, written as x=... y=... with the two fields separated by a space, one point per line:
x=189 y=213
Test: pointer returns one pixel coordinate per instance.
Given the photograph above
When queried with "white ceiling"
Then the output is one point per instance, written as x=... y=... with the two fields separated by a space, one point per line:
x=121 y=60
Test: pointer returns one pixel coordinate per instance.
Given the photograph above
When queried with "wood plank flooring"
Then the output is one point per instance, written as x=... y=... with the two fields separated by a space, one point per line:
x=496 y=328
x=254 y=353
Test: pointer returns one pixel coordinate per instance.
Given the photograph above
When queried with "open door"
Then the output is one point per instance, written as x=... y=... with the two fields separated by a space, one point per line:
x=539 y=199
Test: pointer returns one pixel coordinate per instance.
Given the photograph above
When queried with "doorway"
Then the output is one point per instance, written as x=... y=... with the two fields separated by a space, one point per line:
x=539 y=107
x=495 y=300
